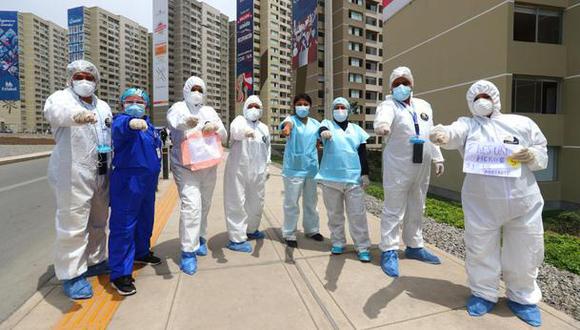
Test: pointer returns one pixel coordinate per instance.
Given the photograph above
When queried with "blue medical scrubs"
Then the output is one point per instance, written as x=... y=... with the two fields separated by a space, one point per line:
x=136 y=166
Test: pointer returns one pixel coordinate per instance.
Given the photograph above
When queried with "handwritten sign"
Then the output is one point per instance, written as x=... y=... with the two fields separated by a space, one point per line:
x=491 y=159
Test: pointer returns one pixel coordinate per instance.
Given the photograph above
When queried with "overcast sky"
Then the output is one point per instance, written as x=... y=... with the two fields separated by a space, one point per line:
x=137 y=10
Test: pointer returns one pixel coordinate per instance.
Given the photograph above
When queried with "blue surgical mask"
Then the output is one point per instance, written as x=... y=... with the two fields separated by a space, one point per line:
x=402 y=93
x=302 y=111
x=340 y=115
x=135 y=110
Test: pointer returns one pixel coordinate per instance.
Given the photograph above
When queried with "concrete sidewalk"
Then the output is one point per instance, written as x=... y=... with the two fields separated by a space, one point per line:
x=276 y=287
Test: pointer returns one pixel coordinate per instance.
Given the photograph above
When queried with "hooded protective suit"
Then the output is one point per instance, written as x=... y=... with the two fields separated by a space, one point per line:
x=491 y=203
x=82 y=195
x=405 y=182
x=245 y=174
x=195 y=187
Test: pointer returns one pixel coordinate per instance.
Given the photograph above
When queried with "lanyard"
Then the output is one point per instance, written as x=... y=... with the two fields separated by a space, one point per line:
x=414 y=116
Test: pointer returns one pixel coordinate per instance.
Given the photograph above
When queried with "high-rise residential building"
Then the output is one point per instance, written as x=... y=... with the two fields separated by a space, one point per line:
x=232 y=70
x=197 y=46
x=357 y=62
x=43 y=60
x=272 y=66
x=530 y=50
x=118 y=46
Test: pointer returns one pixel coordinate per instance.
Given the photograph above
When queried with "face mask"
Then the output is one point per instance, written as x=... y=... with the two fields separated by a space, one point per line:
x=135 y=110
x=84 y=88
x=340 y=115
x=402 y=93
x=196 y=98
x=483 y=107
x=253 y=114
x=302 y=111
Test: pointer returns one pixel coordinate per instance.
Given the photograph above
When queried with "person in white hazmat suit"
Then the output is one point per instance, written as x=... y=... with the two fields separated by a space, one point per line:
x=190 y=123
x=78 y=173
x=405 y=122
x=500 y=207
x=245 y=176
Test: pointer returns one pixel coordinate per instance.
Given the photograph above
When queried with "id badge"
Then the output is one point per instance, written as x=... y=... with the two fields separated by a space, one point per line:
x=104 y=149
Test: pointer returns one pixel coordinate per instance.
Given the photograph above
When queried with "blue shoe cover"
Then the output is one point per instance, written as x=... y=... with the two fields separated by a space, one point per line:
x=390 y=263
x=336 y=250
x=422 y=254
x=78 y=288
x=256 y=235
x=477 y=306
x=98 y=269
x=240 y=247
x=202 y=250
x=527 y=313
x=188 y=263
x=364 y=256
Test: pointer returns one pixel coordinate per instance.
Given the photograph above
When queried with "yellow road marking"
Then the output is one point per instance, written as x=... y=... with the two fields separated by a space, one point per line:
x=97 y=312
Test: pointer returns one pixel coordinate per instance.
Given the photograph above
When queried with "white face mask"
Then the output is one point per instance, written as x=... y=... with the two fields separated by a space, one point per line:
x=253 y=114
x=196 y=98
x=483 y=107
x=84 y=88
x=340 y=115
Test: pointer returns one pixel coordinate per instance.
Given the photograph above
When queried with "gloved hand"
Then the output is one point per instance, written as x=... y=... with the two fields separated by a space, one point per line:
x=439 y=169
x=523 y=156
x=438 y=135
x=383 y=130
x=138 y=124
x=365 y=181
x=209 y=128
x=250 y=133
x=191 y=121
x=85 y=117
x=326 y=135
x=287 y=130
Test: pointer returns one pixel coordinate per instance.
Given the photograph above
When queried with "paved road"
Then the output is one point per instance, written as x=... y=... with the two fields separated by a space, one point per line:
x=26 y=232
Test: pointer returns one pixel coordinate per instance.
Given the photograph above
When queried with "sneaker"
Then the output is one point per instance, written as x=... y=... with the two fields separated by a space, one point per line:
x=98 y=269
x=124 y=285
x=148 y=259
x=364 y=256
x=317 y=237
x=336 y=250
x=292 y=243
x=256 y=235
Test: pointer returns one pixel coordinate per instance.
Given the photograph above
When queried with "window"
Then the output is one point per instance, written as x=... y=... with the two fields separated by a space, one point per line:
x=355 y=47
x=355 y=78
x=534 y=24
x=356 y=62
x=355 y=31
x=355 y=15
x=551 y=172
x=354 y=93
x=535 y=95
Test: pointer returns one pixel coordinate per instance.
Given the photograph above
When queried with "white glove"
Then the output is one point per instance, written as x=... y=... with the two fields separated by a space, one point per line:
x=191 y=121
x=250 y=133
x=365 y=181
x=383 y=130
x=326 y=135
x=85 y=117
x=209 y=128
x=439 y=169
x=138 y=124
x=438 y=135
x=523 y=156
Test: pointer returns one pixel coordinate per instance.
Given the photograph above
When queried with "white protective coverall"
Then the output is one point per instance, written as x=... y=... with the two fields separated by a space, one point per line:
x=492 y=203
x=404 y=182
x=195 y=187
x=82 y=195
x=245 y=174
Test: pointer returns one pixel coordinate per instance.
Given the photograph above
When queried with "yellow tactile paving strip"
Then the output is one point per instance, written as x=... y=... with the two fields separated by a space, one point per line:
x=97 y=312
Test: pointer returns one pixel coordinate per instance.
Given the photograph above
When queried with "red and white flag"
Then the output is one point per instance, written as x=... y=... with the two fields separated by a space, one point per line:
x=391 y=7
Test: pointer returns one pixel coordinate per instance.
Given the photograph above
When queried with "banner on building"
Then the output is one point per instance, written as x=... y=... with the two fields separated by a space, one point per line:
x=76 y=34
x=304 y=32
x=244 y=50
x=391 y=7
x=160 y=53
x=9 y=72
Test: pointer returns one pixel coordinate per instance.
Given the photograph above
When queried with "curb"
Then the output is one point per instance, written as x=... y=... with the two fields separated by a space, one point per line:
x=23 y=158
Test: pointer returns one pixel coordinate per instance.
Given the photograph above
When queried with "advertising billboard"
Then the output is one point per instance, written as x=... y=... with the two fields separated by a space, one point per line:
x=304 y=32
x=9 y=72
x=160 y=53
x=244 y=50
x=76 y=34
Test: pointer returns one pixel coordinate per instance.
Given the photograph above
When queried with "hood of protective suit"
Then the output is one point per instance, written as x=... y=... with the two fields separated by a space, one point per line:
x=81 y=66
x=399 y=72
x=253 y=99
x=484 y=87
x=343 y=101
x=193 y=81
